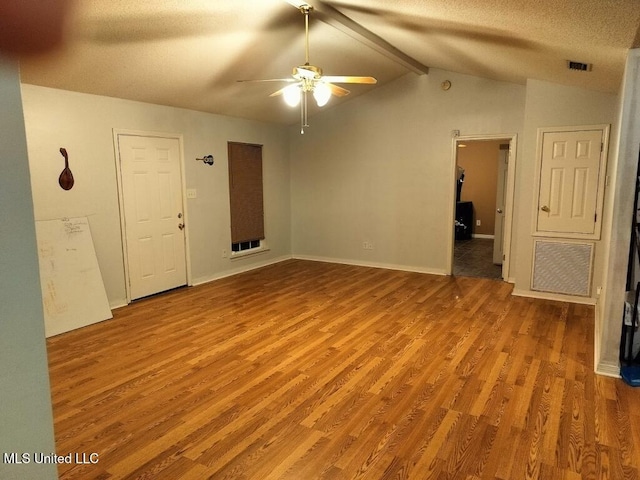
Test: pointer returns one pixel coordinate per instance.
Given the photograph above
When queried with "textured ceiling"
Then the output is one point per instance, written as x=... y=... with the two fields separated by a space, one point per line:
x=189 y=53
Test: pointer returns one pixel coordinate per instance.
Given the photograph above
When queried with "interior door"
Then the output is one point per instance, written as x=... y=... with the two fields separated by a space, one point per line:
x=153 y=214
x=569 y=173
x=501 y=195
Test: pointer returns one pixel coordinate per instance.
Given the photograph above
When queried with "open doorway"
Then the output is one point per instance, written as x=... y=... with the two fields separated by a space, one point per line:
x=483 y=208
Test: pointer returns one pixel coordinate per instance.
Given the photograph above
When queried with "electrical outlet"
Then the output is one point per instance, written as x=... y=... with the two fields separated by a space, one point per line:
x=478 y=223
x=192 y=193
x=225 y=254
x=367 y=245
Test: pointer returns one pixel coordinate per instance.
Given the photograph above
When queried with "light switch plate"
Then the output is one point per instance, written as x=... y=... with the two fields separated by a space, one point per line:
x=192 y=193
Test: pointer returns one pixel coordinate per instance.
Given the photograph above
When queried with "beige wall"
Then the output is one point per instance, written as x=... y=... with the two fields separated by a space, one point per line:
x=84 y=124
x=480 y=162
x=617 y=220
x=26 y=422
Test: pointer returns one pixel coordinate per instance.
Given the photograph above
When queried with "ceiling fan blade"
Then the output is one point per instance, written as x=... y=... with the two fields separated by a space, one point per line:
x=336 y=90
x=277 y=92
x=270 y=80
x=349 y=79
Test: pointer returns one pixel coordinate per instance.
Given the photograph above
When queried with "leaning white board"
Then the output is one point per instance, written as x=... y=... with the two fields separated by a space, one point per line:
x=73 y=293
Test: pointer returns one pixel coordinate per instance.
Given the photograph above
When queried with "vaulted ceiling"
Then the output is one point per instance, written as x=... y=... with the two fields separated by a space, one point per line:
x=190 y=53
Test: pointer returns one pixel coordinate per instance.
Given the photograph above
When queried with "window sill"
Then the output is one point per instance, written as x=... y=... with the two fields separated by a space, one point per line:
x=248 y=253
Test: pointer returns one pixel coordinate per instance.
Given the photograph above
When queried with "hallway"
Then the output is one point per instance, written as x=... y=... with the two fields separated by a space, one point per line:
x=474 y=258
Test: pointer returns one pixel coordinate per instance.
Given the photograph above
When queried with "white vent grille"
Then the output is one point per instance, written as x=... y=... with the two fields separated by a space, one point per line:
x=562 y=267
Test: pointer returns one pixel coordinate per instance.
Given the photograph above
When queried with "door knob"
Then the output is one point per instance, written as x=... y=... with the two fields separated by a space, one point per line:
x=181 y=226
x=180 y=215
x=544 y=208
x=499 y=210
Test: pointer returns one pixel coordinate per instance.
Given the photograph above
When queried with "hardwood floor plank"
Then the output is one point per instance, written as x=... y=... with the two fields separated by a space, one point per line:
x=489 y=384
x=427 y=463
x=324 y=371
x=525 y=394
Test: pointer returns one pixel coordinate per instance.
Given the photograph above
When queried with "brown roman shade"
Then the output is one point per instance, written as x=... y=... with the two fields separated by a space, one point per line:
x=245 y=192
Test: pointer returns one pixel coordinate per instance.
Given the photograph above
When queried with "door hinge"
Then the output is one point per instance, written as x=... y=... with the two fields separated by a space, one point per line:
x=595 y=217
x=504 y=257
x=601 y=146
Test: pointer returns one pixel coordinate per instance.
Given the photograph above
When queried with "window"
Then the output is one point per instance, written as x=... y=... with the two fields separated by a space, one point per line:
x=243 y=246
x=245 y=195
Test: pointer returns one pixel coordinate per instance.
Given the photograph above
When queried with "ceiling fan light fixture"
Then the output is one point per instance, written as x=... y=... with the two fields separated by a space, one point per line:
x=291 y=95
x=309 y=78
x=322 y=93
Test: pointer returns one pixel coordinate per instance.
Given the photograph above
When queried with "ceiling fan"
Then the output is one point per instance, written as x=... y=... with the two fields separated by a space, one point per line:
x=308 y=78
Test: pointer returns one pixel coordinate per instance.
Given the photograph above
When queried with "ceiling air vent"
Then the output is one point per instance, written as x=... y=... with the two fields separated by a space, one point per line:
x=579 y=66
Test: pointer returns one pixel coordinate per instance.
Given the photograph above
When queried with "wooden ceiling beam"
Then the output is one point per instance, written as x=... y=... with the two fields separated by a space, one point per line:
x=331 y=16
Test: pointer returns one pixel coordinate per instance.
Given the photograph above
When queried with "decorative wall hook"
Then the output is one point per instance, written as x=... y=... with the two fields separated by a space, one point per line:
x=66 y=177
x=208 y=159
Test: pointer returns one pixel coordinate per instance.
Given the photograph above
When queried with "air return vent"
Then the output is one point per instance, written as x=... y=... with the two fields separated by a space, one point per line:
x=562 y=267
x=579 y=66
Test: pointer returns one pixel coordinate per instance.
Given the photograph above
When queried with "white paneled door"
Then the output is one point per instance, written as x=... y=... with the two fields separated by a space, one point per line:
x=569 y=178
x=153 y=213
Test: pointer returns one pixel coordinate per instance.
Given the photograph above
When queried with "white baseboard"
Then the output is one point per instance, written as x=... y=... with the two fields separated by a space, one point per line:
x=608 y=369
x=518 y=292
x=236 y=271
x=253 y=266
x=359 y=263
x=482 y=235
x=227 y=273
x=597 y=341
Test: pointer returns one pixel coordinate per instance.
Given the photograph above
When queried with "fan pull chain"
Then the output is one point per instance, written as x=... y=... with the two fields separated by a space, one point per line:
x=302 y=121
x=303 y=112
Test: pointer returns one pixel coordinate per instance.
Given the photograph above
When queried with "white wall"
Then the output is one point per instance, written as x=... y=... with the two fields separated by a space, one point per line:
x=550 y=105
x=26 y=424
x=83 y=124
x=619 y=213
x=380 y=169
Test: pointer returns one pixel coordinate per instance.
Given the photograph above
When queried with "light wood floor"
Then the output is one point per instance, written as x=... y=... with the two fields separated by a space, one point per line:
x=306 y=370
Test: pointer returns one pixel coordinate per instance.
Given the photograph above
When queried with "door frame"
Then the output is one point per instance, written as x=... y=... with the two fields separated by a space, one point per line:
x=512 y=138
x=501 y=187
x=117 y=133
